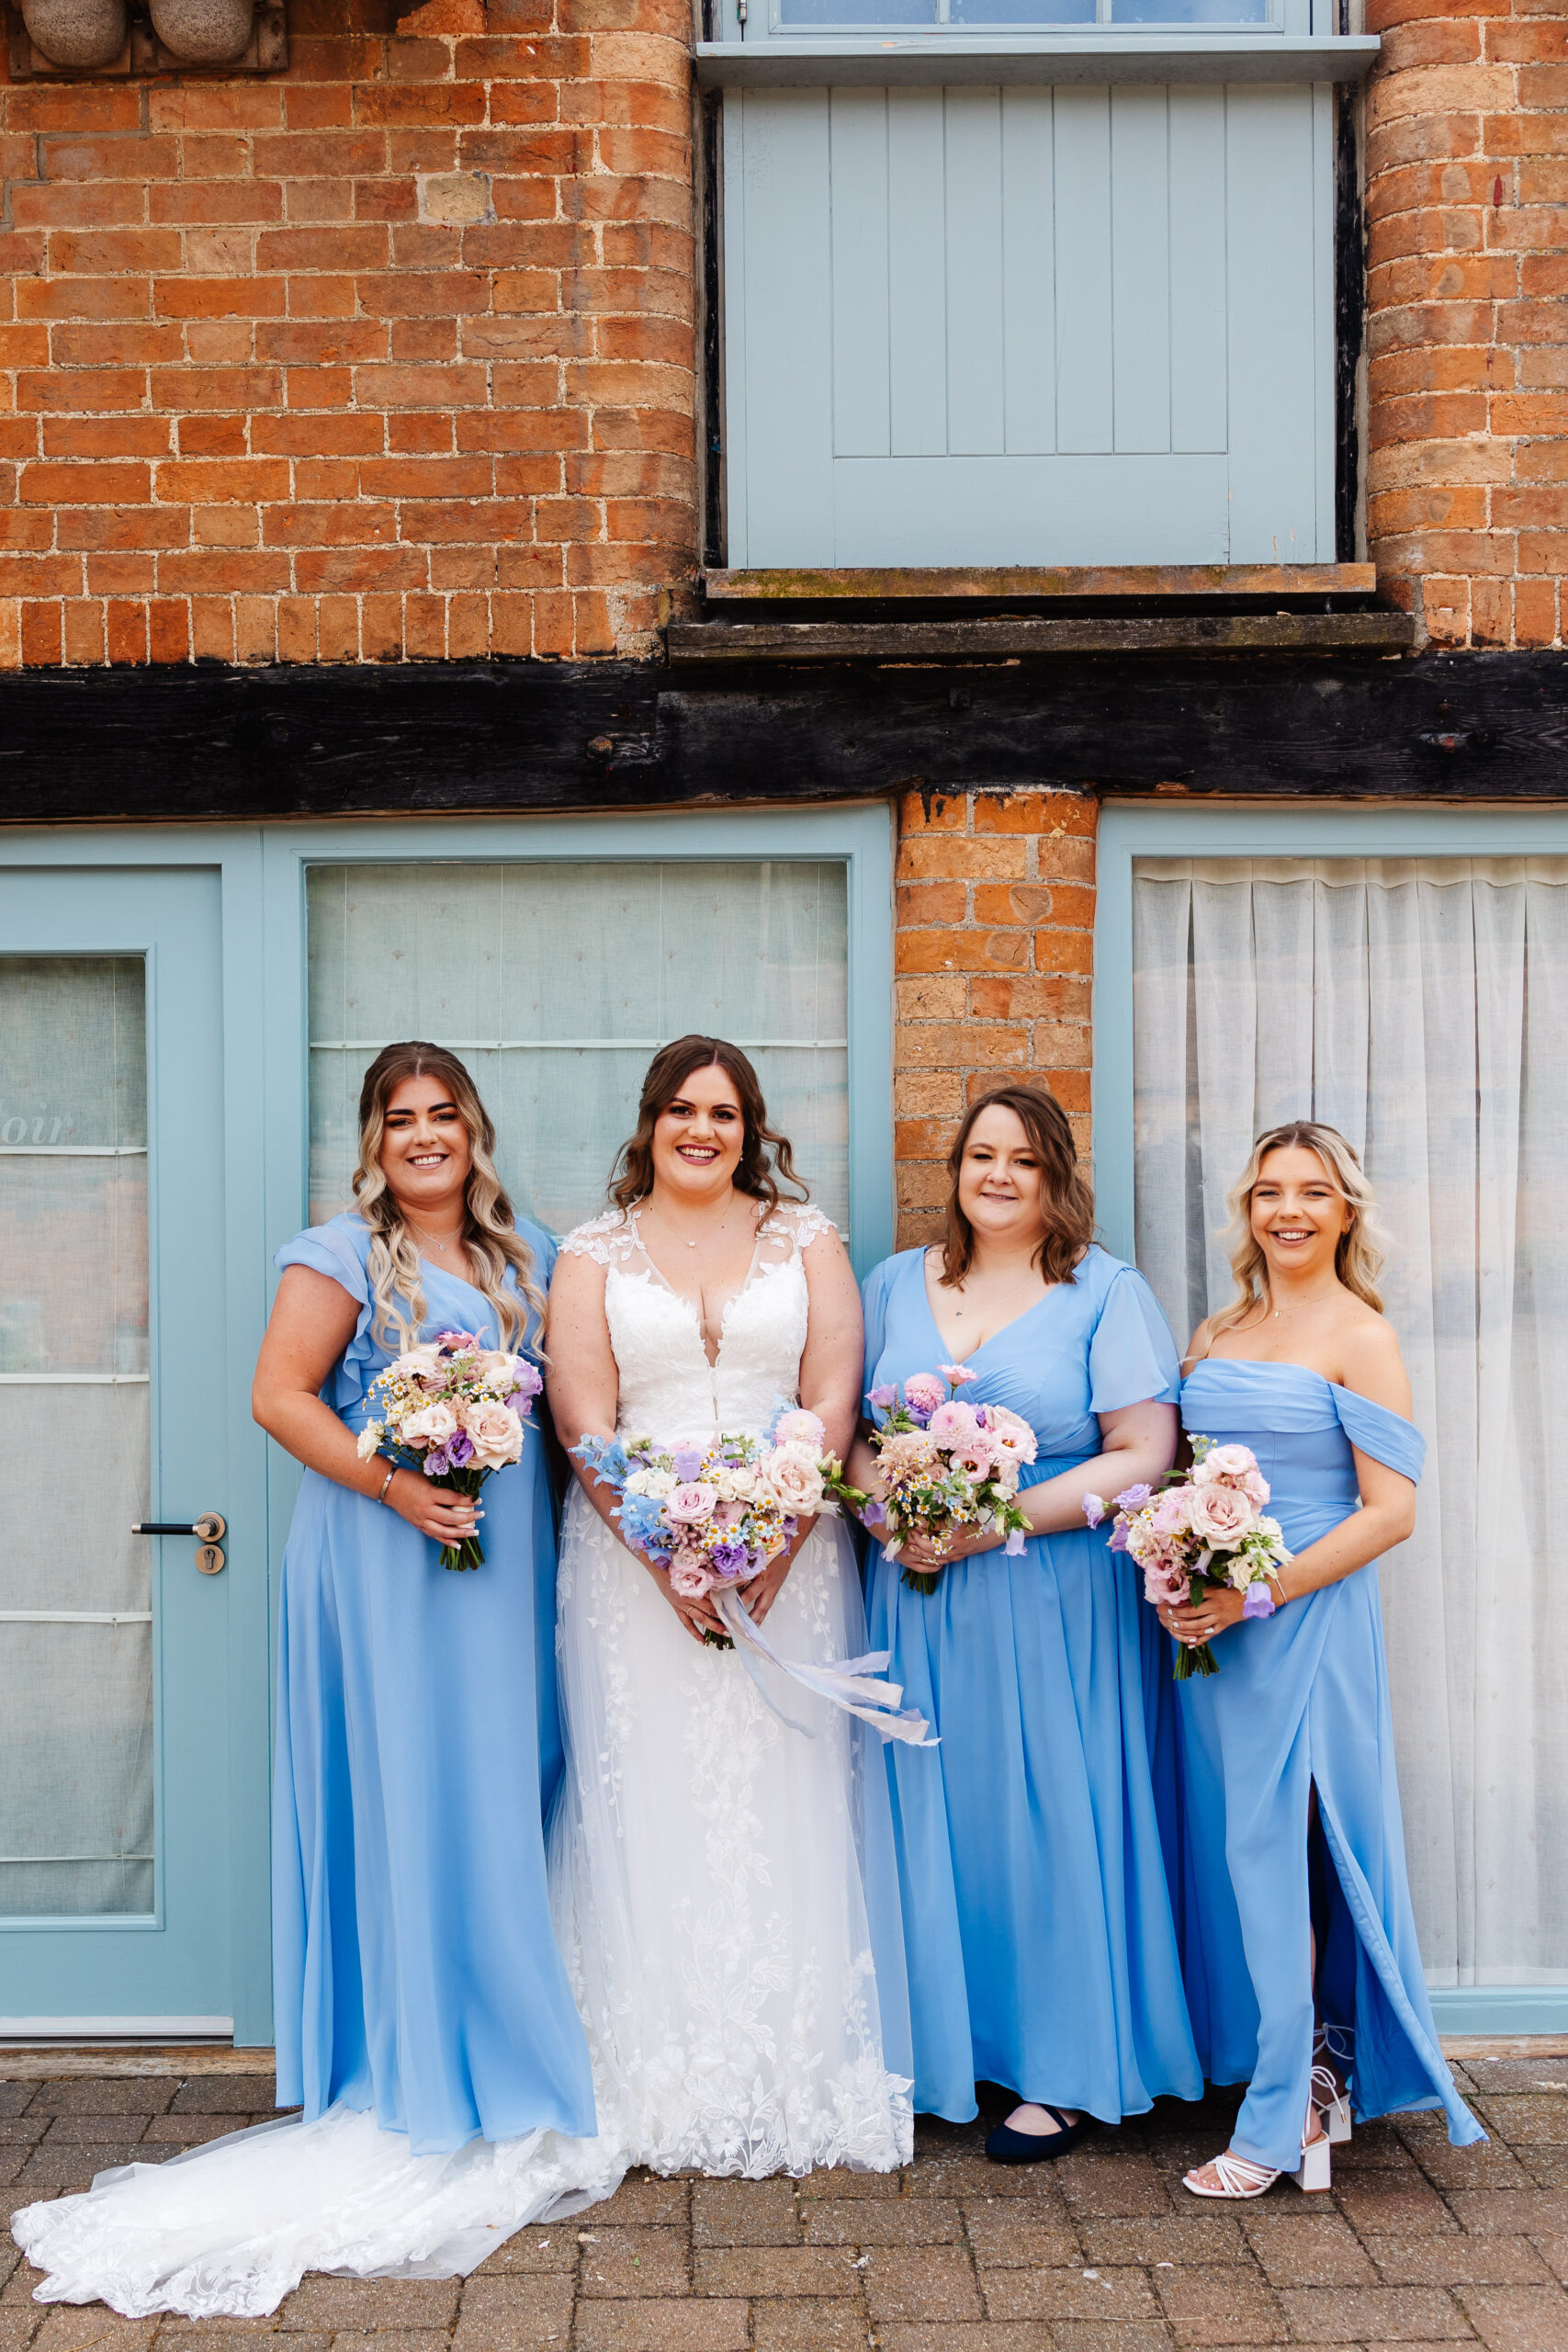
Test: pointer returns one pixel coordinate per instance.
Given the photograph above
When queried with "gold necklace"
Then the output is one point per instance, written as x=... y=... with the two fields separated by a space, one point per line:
x=702 y=1237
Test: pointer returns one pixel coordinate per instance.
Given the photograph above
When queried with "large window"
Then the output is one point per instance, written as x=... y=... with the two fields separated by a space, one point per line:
x=1417 y=1004
x=556 y=980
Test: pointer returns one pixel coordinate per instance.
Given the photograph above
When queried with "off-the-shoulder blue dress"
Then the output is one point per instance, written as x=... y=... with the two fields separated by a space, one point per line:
x=1300 y=1700
x=414 y=1970
x=1041 y=1948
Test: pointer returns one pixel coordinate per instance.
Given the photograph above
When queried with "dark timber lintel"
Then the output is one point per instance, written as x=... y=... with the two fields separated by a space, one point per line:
x=950 y=640
x=207 y=742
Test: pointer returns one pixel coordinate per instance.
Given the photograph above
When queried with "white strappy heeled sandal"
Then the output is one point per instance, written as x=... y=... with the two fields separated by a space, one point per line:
x=1332 y=2102
x=1238 y=2176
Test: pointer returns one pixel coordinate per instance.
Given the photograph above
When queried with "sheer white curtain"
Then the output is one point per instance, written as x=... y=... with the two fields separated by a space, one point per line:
x=556 y=982
x=1421 y=1006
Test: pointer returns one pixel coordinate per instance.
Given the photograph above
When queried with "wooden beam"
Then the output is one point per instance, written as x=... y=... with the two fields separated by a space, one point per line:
x=960 y=640
x=203 y=742
x=932 y=583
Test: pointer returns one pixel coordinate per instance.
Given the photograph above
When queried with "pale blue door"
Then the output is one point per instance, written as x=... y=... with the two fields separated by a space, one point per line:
x=114 y=1666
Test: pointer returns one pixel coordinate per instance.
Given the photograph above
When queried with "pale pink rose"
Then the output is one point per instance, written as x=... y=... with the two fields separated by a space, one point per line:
x=1004 y=1469
x=796 y=1484
x=1221 y=1516
x=691 y=1504
x=801 y=1428
x=1011 y=1432
x=728 y=1514
x=433 y=1425
x=952 y=1425
x=1254 y=1484
x=497 y=1434
x=416 y=1364
x=498 y=1365
x=690 y=1580
x=956 y=1374
x=1222 y=1462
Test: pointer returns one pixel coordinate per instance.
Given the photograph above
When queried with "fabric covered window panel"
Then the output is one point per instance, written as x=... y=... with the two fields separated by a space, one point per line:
x=1419 y=1005
x=76 y=1745
x=557 y=981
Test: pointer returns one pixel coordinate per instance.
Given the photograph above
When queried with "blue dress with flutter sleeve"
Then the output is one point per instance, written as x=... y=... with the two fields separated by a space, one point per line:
x=415 y=1973
x=1037 y=1920
x=1301 y=1703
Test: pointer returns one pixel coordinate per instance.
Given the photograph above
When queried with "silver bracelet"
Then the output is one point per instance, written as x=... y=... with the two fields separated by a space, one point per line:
x=387 y=1482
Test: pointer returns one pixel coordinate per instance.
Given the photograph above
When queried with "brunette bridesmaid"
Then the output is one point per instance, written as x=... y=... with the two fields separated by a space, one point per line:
x=1041 y=1947
x=1303 y=1971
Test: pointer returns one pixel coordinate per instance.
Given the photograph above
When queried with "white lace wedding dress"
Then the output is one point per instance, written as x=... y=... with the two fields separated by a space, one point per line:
x=722 y=1885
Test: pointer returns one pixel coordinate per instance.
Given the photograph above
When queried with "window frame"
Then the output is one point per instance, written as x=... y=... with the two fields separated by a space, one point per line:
x=1131 y=829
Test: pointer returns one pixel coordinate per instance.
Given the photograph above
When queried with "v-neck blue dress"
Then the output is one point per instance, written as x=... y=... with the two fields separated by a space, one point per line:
x=1037 y=1919
x=415 y=1973
x=1301 y=1701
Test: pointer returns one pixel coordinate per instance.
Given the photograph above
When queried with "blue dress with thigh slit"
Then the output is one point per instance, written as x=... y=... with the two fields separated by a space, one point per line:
x=415 y=1973
x=1301 y=1703
x=1041 y=1949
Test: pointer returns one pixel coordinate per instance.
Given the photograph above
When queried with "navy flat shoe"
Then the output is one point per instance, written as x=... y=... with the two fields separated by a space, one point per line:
x=1006 y=2147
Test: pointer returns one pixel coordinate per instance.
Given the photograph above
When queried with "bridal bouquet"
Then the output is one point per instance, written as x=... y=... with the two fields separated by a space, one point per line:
x=1200 y=1529
x=717 y=1513
x=710 y=1516
x=945 y=1465
x=454 y=1409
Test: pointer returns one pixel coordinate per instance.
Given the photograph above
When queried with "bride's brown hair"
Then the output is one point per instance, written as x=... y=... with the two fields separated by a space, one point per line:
x=766 y=1155
x=490 y=1232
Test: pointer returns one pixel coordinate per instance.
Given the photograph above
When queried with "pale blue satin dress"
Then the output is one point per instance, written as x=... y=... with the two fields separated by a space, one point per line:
x=1300 y=1699
x=1041 y=1949
x=415 y=1973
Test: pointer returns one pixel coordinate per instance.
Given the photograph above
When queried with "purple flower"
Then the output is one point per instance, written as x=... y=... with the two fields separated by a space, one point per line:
x=1134 y=1498
x=436 y=1463
x=1119 y=1539
x=874 y=1515
x=880 y=1398
x=688 y=1462
x=459 y=1449
x=1094 y=1508
x=1015 y=1543
x=729 y=1558
x=1260 y=1601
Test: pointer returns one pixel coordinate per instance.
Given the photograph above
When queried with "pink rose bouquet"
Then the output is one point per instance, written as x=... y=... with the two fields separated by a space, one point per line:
x=1196 y=1529
x=945 y=1465
x=455 y=1408
x=714 y=1514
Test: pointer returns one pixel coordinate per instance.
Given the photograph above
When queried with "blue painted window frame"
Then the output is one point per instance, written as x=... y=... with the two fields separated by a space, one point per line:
x=1139 y=829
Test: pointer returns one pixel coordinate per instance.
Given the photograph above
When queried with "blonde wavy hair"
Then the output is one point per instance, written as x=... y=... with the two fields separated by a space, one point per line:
x=490 y=1230
x=1359 y=1259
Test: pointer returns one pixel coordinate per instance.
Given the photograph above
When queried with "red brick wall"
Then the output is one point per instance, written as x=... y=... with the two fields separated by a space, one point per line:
x=994 y=958
x=255 y=406
x=1468 y=332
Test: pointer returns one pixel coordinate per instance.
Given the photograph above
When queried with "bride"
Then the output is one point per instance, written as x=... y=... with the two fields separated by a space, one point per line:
x=721 y=1881
x=721 y=1876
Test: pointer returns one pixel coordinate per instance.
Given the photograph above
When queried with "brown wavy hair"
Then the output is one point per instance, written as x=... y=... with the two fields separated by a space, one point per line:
x=1359 y=1256
x=490 y=1226
x=1065 y=1202
x=766 y=1161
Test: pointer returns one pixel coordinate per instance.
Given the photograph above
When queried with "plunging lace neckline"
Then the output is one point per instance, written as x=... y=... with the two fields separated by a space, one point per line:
x=633 y=1218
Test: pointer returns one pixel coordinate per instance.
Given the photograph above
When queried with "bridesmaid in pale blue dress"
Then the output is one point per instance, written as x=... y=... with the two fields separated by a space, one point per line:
x=415 y=1974
x=1303 y=1971
x=1041 y=1950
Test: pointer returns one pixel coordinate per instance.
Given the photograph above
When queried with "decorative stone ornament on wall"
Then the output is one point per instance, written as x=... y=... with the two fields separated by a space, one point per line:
x=53 y=38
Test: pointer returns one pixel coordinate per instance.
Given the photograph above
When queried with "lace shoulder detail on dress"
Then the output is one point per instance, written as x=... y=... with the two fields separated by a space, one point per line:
x=799 y=1223
x=609 y=1239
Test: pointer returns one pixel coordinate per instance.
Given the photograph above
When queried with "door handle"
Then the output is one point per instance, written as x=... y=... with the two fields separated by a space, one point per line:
x=210 y=1528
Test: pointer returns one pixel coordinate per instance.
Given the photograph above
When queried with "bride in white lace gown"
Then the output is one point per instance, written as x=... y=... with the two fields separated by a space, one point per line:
x=709 y=1862
x=722 y=1881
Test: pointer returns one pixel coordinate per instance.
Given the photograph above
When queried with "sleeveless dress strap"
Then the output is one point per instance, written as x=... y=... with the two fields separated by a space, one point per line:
x=1388 y=1437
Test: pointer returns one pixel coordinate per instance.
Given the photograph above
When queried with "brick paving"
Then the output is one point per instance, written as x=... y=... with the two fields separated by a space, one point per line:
x=1419 y=2245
